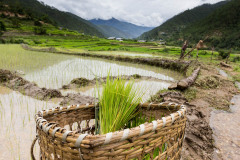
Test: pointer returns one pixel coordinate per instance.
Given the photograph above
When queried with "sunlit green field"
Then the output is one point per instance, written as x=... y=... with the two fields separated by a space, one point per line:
x=13 y=57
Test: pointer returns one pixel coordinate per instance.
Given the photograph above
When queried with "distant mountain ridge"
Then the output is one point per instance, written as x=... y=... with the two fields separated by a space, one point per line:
x=114 y=27
x=62 y=19
x=175 y=25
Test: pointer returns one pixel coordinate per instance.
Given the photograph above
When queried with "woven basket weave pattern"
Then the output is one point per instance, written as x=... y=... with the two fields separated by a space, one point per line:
x=68 y=133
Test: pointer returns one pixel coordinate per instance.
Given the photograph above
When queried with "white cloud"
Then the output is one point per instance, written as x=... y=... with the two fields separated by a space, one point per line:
x=140 y=12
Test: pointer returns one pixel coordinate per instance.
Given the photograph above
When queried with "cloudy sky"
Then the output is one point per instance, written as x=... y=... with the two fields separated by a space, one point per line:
x=141 y=12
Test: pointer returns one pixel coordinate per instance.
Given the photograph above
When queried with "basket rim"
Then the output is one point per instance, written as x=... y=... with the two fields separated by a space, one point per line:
x=88 y=140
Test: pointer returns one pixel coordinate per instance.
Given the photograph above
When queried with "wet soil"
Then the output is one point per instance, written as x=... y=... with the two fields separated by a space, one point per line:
x=225 y=126
x=13 y=81
x=212 y=91
x=82 y=82
x=17 y=83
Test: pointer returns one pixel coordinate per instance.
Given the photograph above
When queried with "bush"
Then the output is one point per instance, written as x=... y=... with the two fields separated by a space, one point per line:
x=40 y=30
x=2 y=41
x=236 y=59
x=203 y=53
x=2 y=26
x=166 y=50
x=16 y=23
x=222 y=54
x=37 y=23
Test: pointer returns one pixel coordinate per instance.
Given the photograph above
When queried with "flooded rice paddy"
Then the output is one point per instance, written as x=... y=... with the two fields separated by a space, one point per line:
x=17 y=123
x=53 y=71
x=146 y=87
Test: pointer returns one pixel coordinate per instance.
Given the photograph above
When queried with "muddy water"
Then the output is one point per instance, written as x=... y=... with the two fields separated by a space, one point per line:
x=147 y=88
x=226 y=129
x=62 y=73
x=17 y=124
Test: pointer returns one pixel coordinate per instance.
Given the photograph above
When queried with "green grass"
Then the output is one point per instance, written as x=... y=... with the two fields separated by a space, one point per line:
x=118 y=104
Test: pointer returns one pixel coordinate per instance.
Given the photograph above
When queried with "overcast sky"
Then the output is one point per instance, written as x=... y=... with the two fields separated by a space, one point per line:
x=140 y=12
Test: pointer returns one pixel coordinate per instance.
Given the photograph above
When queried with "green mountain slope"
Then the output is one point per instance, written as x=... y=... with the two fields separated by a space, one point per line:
x=62 y=19
x=222 y=26
x=175 y=25
x=129 y=30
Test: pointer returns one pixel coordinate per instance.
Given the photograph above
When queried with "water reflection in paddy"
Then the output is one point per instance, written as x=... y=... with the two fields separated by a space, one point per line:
x=18 y=124
x=62 y=73
x=147 y=87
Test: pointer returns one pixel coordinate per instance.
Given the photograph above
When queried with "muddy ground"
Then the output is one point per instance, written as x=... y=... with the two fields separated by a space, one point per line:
x=82 y=82
x=210 y=90
x=15 y=82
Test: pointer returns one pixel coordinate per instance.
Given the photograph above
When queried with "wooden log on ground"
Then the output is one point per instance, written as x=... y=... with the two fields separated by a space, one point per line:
x=187 y=82
x=225 y=65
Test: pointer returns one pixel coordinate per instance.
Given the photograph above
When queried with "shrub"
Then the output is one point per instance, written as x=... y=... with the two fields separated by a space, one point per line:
x=222 y=54
x=40 y=30
x=37 y=23
x=166 y=50
x=16 y=23
x=203 y=53
x=2 y=26
x=236 y=59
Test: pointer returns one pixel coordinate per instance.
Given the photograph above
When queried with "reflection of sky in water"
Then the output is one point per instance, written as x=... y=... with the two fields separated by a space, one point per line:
x=18 y=124
x=62 y=73
x=147 y=88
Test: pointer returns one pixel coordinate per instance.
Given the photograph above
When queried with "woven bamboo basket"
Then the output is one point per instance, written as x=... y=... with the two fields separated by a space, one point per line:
x=68 y=133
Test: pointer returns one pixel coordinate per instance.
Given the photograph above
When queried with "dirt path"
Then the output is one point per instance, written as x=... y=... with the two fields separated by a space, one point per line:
x=226 y=128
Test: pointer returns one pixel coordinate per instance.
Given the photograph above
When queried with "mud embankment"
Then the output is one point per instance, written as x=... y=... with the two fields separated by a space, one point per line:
x=198 y=134
x=15 y=82
x=209 y=91
x=82 y=82
x=164 y=63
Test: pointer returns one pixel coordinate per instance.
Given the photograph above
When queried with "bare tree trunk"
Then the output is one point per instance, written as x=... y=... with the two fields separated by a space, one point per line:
x=212 y=53
x=197 y=54
x=188 y=52
x=228 y=56
x=187 y=82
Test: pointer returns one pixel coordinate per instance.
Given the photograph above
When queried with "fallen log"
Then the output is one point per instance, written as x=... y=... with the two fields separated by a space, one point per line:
x=187 y=82
x=225 y=65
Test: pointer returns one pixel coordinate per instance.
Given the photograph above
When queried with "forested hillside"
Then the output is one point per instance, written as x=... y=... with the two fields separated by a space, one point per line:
x=172 y=28
x=222 y=27
x=34 y=8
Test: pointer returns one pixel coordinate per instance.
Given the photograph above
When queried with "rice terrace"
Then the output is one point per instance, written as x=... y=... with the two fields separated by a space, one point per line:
x=154 y=81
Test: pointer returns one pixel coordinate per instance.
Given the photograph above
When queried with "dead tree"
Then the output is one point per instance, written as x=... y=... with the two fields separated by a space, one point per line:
x=212 y=53
x=228 y=55
x=198 y=46
x=183 y=50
